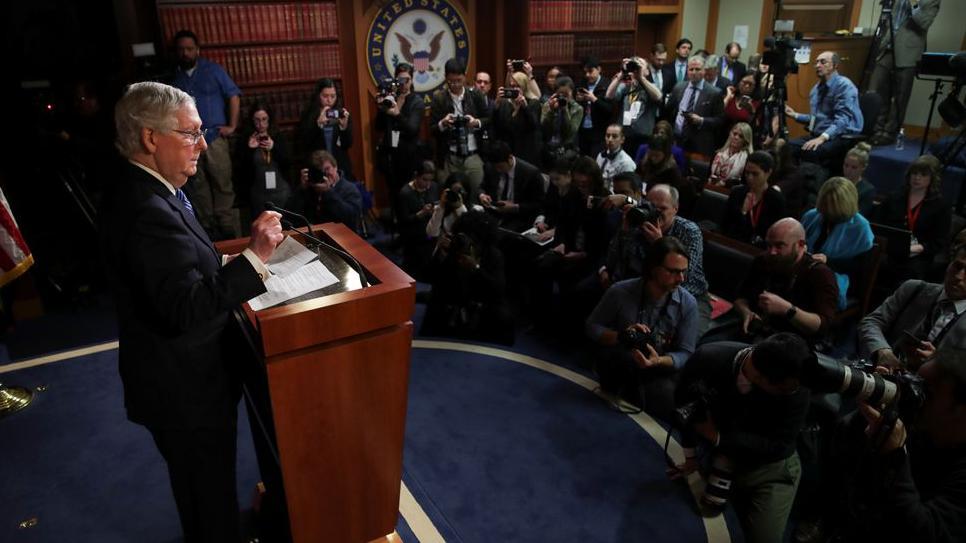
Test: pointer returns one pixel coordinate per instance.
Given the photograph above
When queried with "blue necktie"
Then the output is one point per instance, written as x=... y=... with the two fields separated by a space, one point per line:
x=184 y=200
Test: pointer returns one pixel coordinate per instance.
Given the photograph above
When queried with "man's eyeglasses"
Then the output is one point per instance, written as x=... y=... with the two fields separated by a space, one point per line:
x=193 y=137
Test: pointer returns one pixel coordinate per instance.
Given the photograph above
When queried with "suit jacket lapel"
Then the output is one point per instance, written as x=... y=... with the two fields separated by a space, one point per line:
x=189 y=218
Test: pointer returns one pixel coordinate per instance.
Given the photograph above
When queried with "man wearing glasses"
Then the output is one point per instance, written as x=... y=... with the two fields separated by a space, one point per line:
x=646 y=329
x=180 y=353
x=834 y=103
x=211 y=189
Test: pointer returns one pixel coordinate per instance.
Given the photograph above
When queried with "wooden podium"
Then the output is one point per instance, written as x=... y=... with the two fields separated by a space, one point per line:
x=332 y=393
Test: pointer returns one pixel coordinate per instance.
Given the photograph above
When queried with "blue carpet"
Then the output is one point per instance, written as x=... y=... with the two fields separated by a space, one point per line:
x=498 y=451
x=73 y=461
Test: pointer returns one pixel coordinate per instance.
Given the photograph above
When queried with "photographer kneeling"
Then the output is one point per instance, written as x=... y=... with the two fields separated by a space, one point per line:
x=646 y=329
x=746 y=405
x=912 y=486
x=468 y=297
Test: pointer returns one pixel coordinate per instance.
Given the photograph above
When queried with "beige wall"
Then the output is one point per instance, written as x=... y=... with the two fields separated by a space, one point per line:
x=739 y=12
x=946 y=34
x=694 y=26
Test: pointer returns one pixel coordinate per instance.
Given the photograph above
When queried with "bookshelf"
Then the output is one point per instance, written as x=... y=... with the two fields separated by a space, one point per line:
x=274 y=51
x=562 y=32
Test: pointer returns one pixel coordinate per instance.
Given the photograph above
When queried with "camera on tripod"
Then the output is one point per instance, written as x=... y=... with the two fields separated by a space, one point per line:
x=779 y=55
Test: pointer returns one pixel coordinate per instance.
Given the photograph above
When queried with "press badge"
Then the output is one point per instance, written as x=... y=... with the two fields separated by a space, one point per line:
x=269 y=180
x=394 y=139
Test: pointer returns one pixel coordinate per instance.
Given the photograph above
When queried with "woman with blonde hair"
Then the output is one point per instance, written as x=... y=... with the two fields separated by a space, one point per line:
x=836 y=232
x=853 y=169
x=729 y=161
x=516 y=117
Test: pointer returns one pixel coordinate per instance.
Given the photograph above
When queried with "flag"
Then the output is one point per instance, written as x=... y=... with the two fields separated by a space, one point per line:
x=15 y=257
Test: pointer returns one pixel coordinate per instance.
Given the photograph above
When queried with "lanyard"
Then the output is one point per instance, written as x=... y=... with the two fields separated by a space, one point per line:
x=756 y=212
x=912 y=215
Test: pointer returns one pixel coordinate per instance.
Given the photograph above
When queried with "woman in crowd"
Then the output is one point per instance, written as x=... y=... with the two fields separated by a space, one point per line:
x=516 y=119
x=740 y=102
x=263 y=161
x=664 y=128
x=658 y=165
x=729 y=162
x=919 y=207
x=561 y=116
x=415 y=206
x=325 y=125
x=754 y=206
x=853 y=169
x=836 y=232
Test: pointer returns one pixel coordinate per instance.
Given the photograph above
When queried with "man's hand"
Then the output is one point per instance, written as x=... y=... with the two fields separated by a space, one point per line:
x=689 y=466
x=651 y=232
x=746 y=320
x=820 y=257
x=814 y=143
x=266 y=234
x=447 y=121
x=896 y=439
x=922 y=353
x=473 y=122
x=425 y=210
x=646 y=360
x=225 y=131
x=886 y=360
x=506 y=206
x=604 y=278
x=773 y=304
x=694 y=118
x=791 y=112
x=486 y=200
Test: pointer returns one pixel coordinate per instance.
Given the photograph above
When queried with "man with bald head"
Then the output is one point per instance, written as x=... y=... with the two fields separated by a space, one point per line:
x=786 y=289
x=834 y=103
x=180 y=349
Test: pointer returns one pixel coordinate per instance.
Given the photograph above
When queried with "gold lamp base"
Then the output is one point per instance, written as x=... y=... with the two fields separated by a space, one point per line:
x=13 y=399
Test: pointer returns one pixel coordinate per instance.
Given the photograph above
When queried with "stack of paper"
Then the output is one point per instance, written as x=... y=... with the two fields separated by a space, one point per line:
x=295 y=271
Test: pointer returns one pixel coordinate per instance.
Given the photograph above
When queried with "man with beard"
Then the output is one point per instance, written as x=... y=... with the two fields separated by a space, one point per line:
x=786 y=289
x=210 y=190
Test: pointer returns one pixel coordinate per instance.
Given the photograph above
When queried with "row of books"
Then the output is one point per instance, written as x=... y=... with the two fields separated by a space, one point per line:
x=569 y=48
x=582 y=14
x=279 y=64
x=287 y=103
x=221 y=24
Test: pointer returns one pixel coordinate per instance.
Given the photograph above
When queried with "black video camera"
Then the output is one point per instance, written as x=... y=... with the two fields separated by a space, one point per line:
x=780 y=58
x=634 y=338
x=388 y=92
x=637 y=216
x=517 y=65
x=630 y=68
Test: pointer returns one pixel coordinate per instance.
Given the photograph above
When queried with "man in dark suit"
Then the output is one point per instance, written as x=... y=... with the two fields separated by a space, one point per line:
x=598 y=111
x=893 y=74
x=696 y=110
x=712 y=75
x=512 y=189
x=729 y=65
x=179 y=350
x=662 y=73
x=458 y=119
x=679 y=66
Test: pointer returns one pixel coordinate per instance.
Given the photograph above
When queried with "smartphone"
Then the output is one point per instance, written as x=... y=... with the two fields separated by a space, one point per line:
x=582 y=90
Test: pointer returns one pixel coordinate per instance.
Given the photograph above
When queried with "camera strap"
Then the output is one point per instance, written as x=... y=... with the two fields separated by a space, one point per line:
x=662 y=312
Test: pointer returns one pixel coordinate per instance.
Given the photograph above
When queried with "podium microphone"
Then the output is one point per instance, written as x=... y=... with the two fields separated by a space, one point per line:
x=349 y=259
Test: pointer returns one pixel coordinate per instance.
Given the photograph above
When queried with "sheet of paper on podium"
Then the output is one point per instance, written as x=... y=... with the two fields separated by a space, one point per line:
x=294 y=273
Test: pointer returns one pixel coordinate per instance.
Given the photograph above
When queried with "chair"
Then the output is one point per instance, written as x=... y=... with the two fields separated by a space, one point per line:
x=710 y=207
x=366 y=217
x=863 y=270
x=870 y=104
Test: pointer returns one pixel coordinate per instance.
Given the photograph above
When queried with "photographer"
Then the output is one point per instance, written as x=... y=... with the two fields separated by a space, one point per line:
x=646 y=329
x=516 y=119
x=325 y=125
x=512 y=189
x=918 y=319
x=745 y=404
x=640 y=101
x=468 y=286
x=329 y=196
x=263 y=161
x=561 y=116
x=913 y=486
x=399 y=117
x=451 y=205
x=598 y=111
x=458 y=120
x=416 y=201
